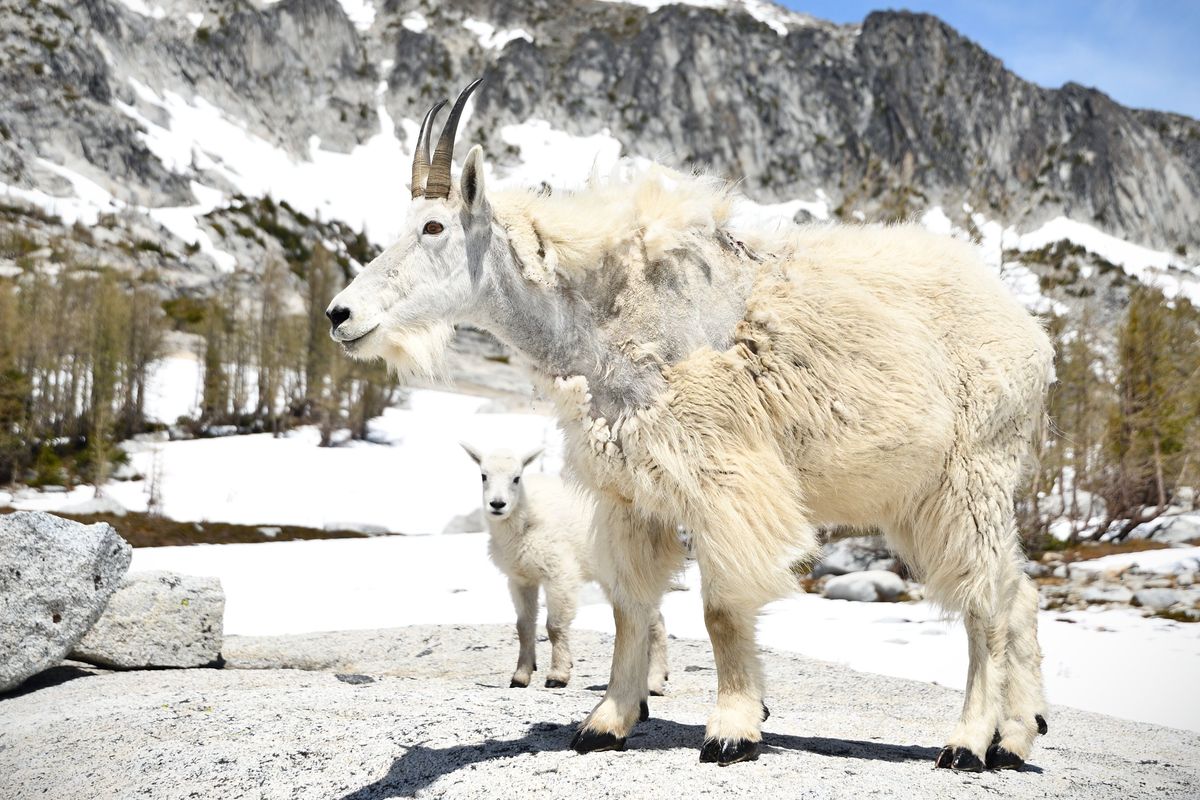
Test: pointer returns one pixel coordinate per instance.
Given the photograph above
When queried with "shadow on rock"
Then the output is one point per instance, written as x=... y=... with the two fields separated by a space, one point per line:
x=421 y=766
x=54 y=676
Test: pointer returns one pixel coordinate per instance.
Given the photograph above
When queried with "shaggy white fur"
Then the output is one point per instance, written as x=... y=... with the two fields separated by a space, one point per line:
x=541 y=537
x=753 y=385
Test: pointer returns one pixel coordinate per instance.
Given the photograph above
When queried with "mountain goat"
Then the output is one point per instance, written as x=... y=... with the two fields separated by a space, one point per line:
x=751 y=385
x=540 y=536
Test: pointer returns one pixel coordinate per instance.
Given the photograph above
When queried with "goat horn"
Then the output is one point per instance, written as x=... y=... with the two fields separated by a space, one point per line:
x=420 y=169
x=438 y=184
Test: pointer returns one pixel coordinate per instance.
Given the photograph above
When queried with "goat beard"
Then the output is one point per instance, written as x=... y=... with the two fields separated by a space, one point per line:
x=418 y=352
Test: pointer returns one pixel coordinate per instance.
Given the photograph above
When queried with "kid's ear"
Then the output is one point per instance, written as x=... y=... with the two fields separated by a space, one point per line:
x=471 y=182
x=472 y=452
x=529 y=457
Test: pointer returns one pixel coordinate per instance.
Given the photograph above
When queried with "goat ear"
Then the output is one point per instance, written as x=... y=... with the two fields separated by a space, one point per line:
x=528 y=458
x=472 y=452
x=471 y=182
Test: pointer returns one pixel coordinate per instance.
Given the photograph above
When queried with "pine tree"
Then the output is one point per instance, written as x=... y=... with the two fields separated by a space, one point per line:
x=1152 y=425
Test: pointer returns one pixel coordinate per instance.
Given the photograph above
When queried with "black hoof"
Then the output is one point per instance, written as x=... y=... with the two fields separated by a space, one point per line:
x=725 y=752
x=515 y=684
x=966 y=761
x=959 y=758
x=1042 y=726
x=766 y=715
x=644 y=711
x=657 y=693
x=555 y=683
x=589 y=741
x=999 y=758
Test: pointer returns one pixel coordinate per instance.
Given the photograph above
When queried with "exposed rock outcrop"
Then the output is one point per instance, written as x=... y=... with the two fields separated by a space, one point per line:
x=56 y=576
x=158 y=619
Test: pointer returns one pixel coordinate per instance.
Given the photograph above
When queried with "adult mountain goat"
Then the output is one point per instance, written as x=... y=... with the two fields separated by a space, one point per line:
x=751 y=385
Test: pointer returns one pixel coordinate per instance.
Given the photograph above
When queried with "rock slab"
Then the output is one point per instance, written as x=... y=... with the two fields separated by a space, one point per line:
x=865 y=587
x=855 y=554
x=1156 y=599
x=438 y=720
x=56 y=576
x=158 y=619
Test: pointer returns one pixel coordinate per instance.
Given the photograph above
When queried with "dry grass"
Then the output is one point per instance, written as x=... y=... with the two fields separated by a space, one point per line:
x=144 y=530
x=1091 y=550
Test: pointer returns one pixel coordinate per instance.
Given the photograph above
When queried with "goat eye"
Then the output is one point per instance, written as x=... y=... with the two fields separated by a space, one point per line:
x=433 y=228
x=484 y=478
x=517 y=479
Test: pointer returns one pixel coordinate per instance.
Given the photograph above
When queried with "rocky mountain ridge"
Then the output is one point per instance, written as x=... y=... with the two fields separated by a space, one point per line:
x=882 y=120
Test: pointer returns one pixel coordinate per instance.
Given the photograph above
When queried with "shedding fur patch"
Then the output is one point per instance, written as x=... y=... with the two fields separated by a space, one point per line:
x=571 y=233
x=413 y=352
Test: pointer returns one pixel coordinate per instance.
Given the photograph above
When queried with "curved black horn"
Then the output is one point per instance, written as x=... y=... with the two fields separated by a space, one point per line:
x=438 y=184
x=420 y=169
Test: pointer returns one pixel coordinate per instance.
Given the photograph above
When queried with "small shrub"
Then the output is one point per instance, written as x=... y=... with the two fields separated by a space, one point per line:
x=48 y=469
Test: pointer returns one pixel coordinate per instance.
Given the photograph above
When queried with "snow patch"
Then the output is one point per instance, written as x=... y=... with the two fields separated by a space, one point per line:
x=492 y=39
x=90 y=200
x=1021 y=281
x=327 y=185
x=773 y=16
x=747 y=213
x=85 y=206
x=936 y=221
x=556 y=157
x=1173 y=561
x=173 y=389
x=415 y=22
x=655 y=5
x=360 y=12
x=1152 y=267
x=143 y=8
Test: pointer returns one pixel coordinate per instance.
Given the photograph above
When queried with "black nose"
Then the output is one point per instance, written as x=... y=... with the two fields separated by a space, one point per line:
x=338 y=315
x=497 y=504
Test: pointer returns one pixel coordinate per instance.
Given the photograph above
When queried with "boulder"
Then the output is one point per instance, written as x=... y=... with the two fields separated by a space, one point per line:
x=356 y=527
x=158 y=619
x=1184 y=497
x=1156 y=599
x=1035 y=569
x=471 y=522
x=56 y=576
x=865 y=587
x=1178 y=530
x=1106 y=594
x=854 y=554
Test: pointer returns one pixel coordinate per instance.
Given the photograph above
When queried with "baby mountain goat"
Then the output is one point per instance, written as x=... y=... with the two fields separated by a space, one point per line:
x=541 y=536
x=751 y=383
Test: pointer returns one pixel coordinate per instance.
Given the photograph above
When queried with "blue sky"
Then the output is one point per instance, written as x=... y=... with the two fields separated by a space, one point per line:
x=1143 y=53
